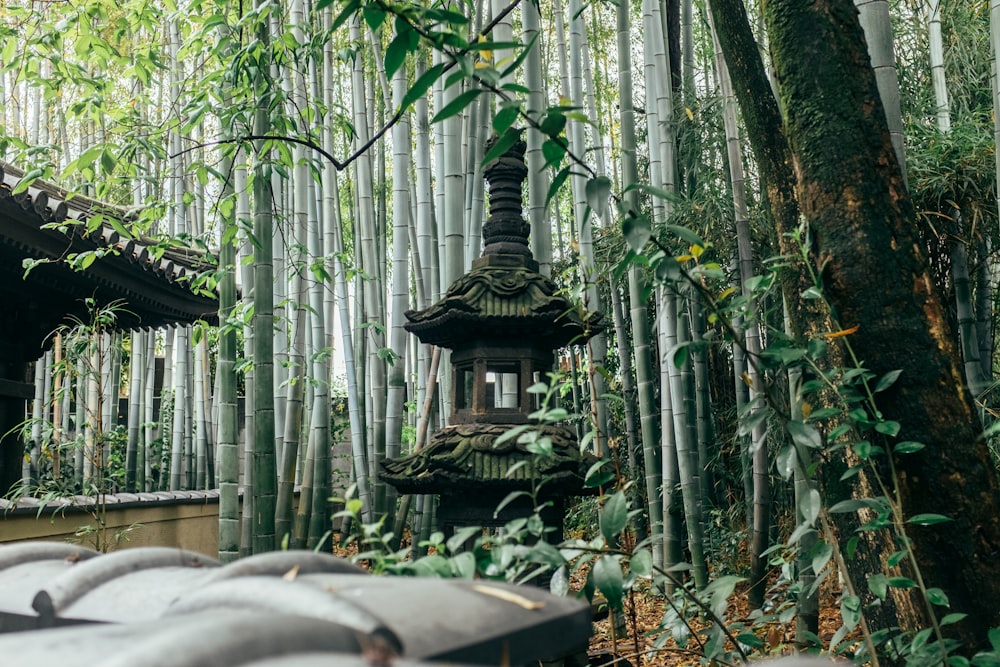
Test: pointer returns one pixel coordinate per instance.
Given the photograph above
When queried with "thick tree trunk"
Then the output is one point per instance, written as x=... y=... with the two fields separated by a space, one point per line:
x=852 y=193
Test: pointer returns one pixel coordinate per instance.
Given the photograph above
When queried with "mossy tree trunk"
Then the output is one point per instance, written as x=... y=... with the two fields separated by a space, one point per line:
x=851 y=191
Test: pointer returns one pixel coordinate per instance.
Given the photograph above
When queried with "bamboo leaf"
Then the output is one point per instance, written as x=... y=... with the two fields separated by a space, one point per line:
x=516 y=63
x=553 y=151
x=374 y=16
x=501 y=145
x=685 y=234
x=421 y=86
x=557 y=182
x=504 y=118
x=29 y=177
x=457 y=105
x=395 y=54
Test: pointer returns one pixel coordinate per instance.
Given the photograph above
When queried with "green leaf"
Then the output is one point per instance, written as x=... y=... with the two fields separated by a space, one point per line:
x=994 y=636
x=936 y=596
x=878 y=584
x=607 y=576
x=887 y=380
x=117 y=225
x=822 y=553
x=516 y=63
x=374 y=16
x=908 y=447
x=457 y=105
x=614 y=516
x=680 y=354
x=850 y=610
x=463 y=565
x=810 y=505
x=641 y=563
x=902 y=582
x=952 y=618
x=422 y=85
x=986 y=659
x=504 y=118
x=596 y=476
x=785 y=462
x=553 y=150
x=804 y=435
x=395 y=55
x=552 y=124
x=500 y=146
x=750 y=639
x=686 y=235
x=897 y=558
x=557 y=182
x=559 y=583
x=889 y=428
x=863 y=449
x=29 y=177
x=598 y=191
x=637 y=231
x=844 y=506
x=928 y=519
x=461 y=536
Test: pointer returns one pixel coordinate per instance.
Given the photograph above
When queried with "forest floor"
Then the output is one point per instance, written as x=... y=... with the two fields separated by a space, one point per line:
x=644 y=613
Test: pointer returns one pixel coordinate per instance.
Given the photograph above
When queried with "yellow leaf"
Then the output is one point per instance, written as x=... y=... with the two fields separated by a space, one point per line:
x=696 y=250
x=746 y=379
x=690 y=114
x=684 y=258
x=842 y=332
x=479 y=65
x=565 y=101
x=726 y=292
x=806 y=410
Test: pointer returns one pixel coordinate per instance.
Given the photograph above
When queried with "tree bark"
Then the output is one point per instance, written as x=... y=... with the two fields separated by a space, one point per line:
x=851 y=192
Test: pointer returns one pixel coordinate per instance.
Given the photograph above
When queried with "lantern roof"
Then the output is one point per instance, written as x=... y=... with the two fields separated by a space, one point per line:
x=467 y=457
x=504 y=297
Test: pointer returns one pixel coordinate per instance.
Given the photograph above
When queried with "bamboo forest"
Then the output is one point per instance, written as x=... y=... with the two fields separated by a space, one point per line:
x=766 y=230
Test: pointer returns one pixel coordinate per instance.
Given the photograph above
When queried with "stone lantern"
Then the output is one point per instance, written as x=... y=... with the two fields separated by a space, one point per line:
x=503 y=321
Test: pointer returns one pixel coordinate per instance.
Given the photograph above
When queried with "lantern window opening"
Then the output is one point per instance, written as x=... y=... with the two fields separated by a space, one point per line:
x=503 y=386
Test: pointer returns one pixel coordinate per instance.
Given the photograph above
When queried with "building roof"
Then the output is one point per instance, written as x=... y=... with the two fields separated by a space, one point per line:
x=160 y=606
x=154 y=284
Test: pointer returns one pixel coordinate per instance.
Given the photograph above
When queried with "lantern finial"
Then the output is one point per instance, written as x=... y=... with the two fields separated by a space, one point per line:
x=505 y=231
